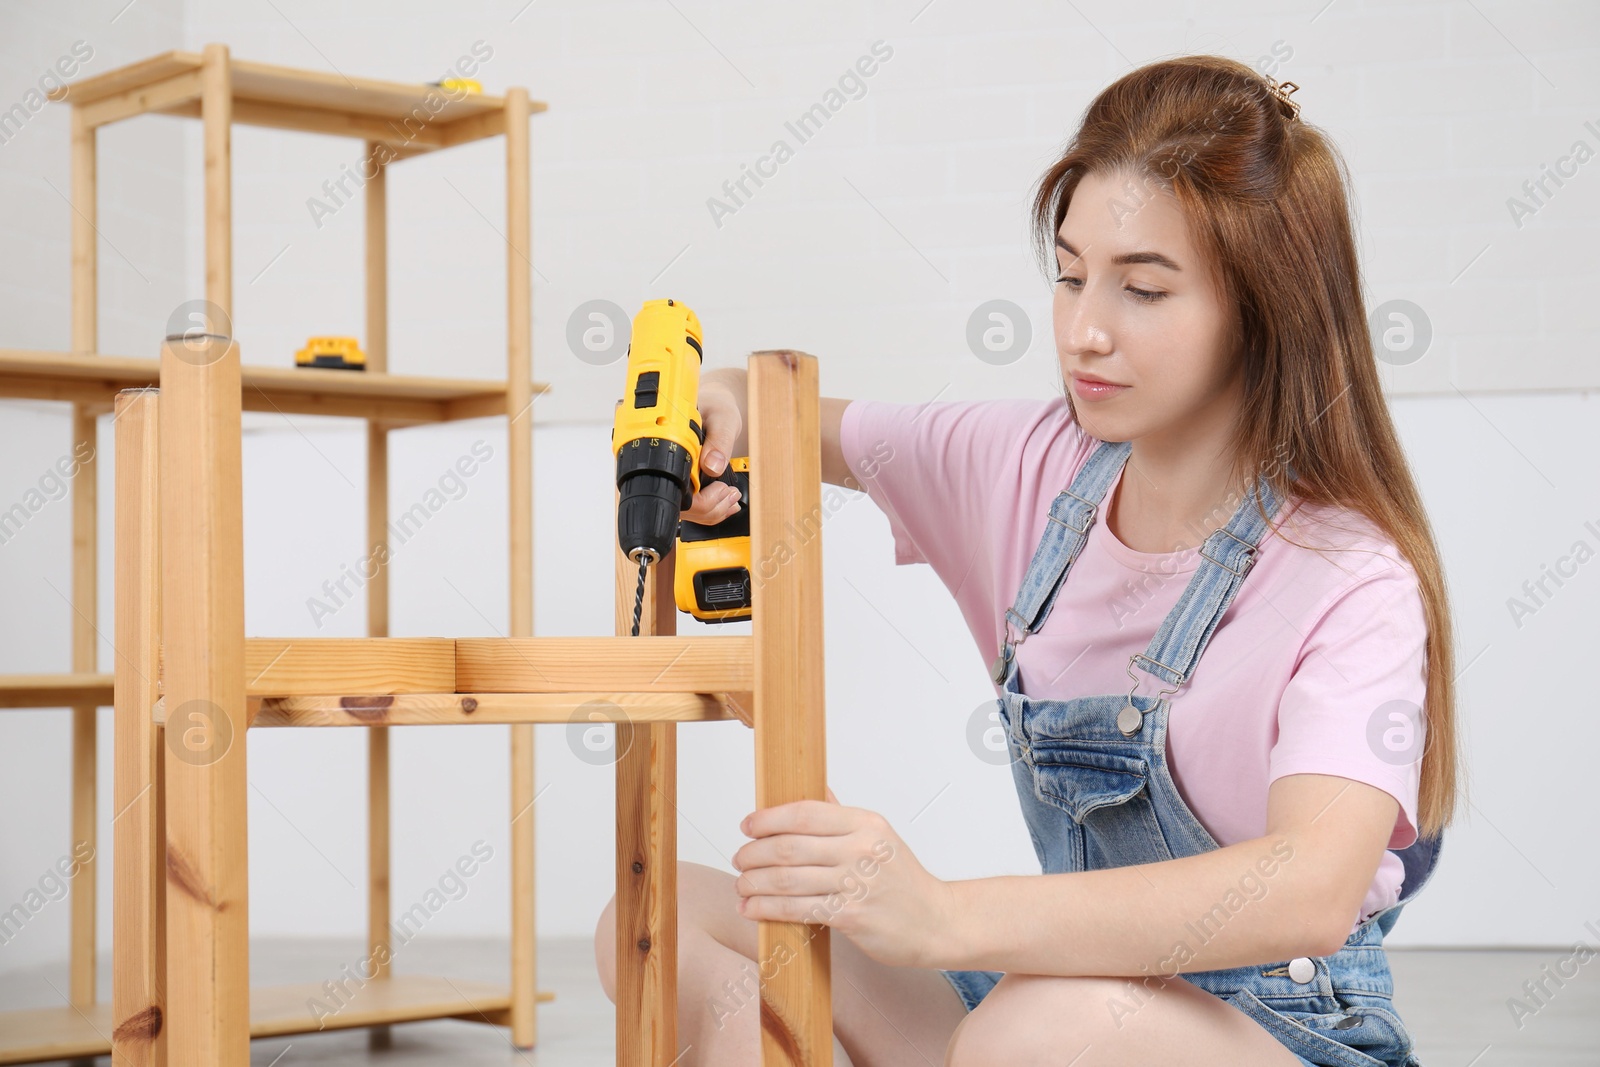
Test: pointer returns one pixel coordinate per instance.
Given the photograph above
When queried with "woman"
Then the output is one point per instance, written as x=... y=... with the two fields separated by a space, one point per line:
x=1232 y=730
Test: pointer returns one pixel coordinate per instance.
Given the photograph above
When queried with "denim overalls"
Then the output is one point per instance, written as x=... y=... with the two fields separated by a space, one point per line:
x=1096 y=792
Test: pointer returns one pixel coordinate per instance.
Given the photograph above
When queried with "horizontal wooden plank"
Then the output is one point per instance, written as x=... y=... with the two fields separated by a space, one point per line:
x=134 y=371
x=331 y=91
x=157 y=68
x=327 y=382
x=356 y=666
x=394 y=398
x=31 y=1035
x=477 y=127
x=156 y=96
x=124 y=371
x=477 y=408
x=438 y=667
x=294 y=87
x=436 y=709
x=99 y=396
x=628 y=664
x=412 y=118
x=412 y=135
x=54 y=690
x=404 y=138
x=385 y=409
x=276 y=1011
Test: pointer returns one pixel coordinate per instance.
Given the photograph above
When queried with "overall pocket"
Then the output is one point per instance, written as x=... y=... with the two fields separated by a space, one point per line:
x=1106 y=795
x=1377 y=1038
x=1078 y=777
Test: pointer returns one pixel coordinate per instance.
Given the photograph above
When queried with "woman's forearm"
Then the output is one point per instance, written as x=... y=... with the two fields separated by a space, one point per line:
x=1253 y=902
x=737 y=381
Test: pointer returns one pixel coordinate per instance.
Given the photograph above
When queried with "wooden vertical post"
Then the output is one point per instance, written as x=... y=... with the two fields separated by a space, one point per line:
x=84 y=718
x=519 y=431
x=216 y=116
x=208 y=935
x=647 y=846
x=786 y=576
x=138 y=1038
x=85 y=340
x=377 y=351
x=85 y=250
x=202 y=626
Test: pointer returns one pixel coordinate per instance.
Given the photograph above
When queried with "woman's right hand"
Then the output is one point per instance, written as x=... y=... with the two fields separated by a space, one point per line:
x=723 y=396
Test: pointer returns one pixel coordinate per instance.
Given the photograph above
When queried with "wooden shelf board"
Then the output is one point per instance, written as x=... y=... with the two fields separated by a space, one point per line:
x=34 y=1034
x=279 y=1010
x=397 y=398
x=64 y=1032
x=374 y=666
x=157 y=68
x=63 y=690
x=435 y=709
x=68 y=1032
x=312 y=100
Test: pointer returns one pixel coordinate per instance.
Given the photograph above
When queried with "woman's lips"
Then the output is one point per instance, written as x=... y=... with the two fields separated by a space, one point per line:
x=1088 y=390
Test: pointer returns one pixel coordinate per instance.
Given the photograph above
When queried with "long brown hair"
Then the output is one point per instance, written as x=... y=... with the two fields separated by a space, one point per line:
x=1264 y=194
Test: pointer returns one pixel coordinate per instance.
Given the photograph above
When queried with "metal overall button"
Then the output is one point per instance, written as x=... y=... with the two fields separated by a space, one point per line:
x=1008 y=649
x=1130 y=719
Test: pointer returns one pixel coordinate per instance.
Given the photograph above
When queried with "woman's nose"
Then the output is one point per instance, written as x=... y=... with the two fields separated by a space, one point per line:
x=1080 y=326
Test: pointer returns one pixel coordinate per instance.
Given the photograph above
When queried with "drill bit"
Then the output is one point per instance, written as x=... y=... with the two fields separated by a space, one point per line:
x=638 y=598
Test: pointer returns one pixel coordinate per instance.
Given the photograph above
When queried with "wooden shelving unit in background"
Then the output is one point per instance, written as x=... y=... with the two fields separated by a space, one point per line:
x=402 y=119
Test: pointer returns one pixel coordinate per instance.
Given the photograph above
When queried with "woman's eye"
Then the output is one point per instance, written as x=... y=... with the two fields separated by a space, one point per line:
x=1144 y=295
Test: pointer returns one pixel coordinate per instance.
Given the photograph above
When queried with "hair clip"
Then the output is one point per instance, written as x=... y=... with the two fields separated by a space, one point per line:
x=1283 y=90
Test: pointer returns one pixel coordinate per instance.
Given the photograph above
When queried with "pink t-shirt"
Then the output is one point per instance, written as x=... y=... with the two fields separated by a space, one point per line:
x=1303 y=665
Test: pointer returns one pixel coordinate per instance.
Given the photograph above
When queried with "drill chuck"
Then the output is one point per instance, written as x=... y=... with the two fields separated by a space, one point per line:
x=647 y=516
x=653 y=475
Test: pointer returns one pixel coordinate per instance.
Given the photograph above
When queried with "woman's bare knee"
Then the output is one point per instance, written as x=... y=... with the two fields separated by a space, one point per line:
x=1039 y=1019
x=605 y=948
x=706 y=901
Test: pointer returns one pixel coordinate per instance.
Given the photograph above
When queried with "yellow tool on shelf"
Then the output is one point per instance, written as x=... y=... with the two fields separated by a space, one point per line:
x=656 y=437
x=335 y=353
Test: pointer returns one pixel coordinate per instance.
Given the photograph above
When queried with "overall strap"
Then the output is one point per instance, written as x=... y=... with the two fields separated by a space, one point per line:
x=1226 y=557
x=1072 y=513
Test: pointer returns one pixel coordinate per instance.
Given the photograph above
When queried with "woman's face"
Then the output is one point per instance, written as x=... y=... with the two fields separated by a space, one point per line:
x=1135 y=305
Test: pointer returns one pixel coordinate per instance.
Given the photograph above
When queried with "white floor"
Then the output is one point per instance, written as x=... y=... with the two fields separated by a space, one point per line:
x=1456 y=1002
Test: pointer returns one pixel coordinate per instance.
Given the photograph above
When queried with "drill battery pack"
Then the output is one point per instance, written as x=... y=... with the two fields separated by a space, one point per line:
x=712 y=577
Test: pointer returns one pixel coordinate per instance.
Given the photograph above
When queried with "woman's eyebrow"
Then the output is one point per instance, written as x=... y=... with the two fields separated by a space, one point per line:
x=1127 y=257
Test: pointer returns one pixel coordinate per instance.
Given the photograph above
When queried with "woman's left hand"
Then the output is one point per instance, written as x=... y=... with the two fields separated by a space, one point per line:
x=818 y=861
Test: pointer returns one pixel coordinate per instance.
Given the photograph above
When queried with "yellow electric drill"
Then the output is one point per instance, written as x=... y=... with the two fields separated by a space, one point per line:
x=657 y=436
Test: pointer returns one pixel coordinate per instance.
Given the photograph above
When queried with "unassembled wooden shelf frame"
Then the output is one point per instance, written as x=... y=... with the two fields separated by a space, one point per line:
x=184 y=654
